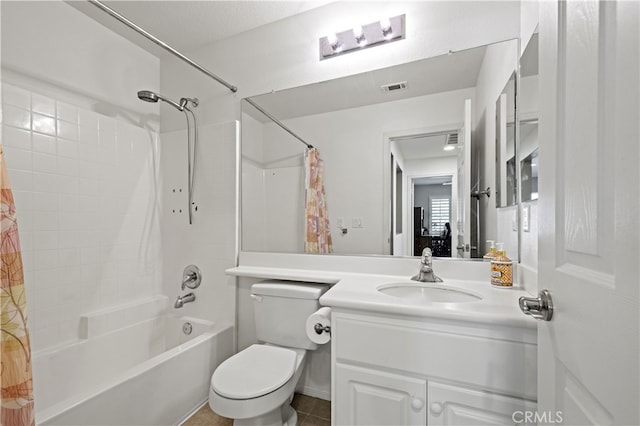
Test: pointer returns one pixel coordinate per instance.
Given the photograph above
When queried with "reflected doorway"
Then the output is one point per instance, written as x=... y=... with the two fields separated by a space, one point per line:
x=432 y=206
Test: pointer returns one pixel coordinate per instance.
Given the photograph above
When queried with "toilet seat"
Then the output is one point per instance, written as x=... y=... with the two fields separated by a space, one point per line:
x=254 y=372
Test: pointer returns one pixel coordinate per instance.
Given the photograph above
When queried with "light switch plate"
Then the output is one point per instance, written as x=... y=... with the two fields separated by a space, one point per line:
x=356 y=222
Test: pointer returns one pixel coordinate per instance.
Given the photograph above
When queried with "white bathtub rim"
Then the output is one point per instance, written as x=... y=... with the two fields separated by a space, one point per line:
x=73 y=401
x=209 y=325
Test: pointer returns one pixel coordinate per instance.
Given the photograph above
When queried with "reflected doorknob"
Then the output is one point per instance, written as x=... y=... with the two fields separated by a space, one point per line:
x=541 y=307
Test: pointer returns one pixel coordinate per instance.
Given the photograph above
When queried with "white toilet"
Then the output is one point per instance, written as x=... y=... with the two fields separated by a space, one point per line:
x=255 y=386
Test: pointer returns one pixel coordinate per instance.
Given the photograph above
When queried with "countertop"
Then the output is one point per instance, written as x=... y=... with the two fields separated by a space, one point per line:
x=357 y=291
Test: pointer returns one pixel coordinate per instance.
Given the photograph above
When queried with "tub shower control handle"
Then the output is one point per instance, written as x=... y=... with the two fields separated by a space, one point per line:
x=191 y=277
x=541 y=307
x=322 y=329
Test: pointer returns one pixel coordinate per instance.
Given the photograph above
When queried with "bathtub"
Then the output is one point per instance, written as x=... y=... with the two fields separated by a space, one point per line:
x=149 y=373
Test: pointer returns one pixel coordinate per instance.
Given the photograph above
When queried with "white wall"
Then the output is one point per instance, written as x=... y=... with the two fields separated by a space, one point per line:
x=53 y=42
x=210 y=242
x=285 y=54
x=85 y=183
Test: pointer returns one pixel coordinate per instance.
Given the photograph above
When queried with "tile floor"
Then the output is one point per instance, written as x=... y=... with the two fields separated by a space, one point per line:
x=311 y=412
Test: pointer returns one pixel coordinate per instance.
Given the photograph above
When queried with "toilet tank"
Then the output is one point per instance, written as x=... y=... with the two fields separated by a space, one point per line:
x=281 y=309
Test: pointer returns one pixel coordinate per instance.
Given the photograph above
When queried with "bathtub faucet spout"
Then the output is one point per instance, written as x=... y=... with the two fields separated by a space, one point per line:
x=187 y=298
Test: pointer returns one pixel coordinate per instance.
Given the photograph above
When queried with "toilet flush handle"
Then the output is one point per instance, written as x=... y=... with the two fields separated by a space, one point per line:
x=256 y=298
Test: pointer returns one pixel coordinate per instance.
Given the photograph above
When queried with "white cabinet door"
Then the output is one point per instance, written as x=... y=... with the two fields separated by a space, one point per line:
x=452 y=405
x=371 y=397
x=588 y=208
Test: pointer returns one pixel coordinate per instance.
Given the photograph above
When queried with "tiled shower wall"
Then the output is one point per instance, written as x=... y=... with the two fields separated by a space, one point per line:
x=86 y=195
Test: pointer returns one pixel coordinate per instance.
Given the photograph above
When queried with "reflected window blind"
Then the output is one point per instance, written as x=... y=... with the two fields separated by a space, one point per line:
x=440 y=212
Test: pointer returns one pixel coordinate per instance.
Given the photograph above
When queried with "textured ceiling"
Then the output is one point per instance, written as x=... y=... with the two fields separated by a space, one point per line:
x=187 y=24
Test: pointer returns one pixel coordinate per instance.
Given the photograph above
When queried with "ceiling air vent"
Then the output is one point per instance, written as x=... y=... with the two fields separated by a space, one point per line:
x=394 y=86
x=452 y=139
x=451 y=142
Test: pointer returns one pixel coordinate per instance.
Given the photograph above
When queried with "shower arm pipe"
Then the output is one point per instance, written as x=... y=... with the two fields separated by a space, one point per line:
x=278 y=122
x=160 y=43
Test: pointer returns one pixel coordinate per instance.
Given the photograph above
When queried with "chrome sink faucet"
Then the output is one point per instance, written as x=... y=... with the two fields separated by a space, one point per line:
x=426 y=274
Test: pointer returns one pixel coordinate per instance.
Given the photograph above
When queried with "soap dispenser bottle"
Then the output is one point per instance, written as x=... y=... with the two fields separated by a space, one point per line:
x=491 y=254
x=501 y=268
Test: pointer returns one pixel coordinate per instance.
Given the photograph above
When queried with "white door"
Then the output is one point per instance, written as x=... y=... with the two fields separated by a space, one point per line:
x=463 y=225
x=588 y=358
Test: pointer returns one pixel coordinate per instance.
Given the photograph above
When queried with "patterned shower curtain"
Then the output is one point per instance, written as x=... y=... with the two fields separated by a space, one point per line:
x=317 y=229
x=15 y=349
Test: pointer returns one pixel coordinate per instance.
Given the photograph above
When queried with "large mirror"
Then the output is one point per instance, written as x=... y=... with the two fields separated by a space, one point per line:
x=403 y=148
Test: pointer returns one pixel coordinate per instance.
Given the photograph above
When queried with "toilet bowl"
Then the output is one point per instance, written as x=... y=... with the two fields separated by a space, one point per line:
x=255 y=386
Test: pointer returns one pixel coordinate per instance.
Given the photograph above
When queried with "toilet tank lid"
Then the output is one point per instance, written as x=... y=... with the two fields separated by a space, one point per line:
x=290 y=289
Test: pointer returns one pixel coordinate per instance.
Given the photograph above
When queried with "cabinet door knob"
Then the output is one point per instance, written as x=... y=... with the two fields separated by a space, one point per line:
x=436 y=408
x=417 y=404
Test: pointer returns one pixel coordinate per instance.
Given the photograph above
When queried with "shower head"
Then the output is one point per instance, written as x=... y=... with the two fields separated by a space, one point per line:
x=149 y=96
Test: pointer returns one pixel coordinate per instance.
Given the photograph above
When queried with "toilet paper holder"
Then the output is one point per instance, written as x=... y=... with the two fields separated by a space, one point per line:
x=319 y=328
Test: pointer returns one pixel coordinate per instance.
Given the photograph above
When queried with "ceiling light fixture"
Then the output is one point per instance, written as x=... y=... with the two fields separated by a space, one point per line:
x=363 y=36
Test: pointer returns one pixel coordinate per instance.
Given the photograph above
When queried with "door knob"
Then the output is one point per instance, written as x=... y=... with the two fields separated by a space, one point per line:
x=541 y=307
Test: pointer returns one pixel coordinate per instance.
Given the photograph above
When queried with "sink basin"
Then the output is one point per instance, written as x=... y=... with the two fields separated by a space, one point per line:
x=425 y=293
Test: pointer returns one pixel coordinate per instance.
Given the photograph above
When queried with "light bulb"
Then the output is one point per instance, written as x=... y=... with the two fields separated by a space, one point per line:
x=333 y=41
x=385 y=26
x=358 y=33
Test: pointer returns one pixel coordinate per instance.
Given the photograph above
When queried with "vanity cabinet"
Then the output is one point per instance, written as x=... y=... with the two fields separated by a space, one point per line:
x=390 y=370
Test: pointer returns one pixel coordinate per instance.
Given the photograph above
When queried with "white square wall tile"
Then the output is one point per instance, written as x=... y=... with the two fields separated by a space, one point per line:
x=67 y=130
x=12 y=95
x=45 y=163
x=67 y=112
x=45 y=221
x=45 y=182
x=16 y=138
x=18 y=159
x=43 y=105
x=45 y=201
x=67 y=148
x=44 y=124
x=88 y=119
x=45 y=259
x=21 y=180
x=16 y=117
x=68 y=203
x=67 y=166
x=45 y=144
x=45 y=240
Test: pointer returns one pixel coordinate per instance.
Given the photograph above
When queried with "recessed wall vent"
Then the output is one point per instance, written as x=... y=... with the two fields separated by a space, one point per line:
x=394 y=86
x=452 y=139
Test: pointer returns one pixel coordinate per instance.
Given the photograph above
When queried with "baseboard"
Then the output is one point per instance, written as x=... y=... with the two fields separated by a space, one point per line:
x=314 y=392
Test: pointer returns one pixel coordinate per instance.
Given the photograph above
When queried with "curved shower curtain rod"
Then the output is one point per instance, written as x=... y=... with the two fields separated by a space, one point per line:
x=189 y=61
